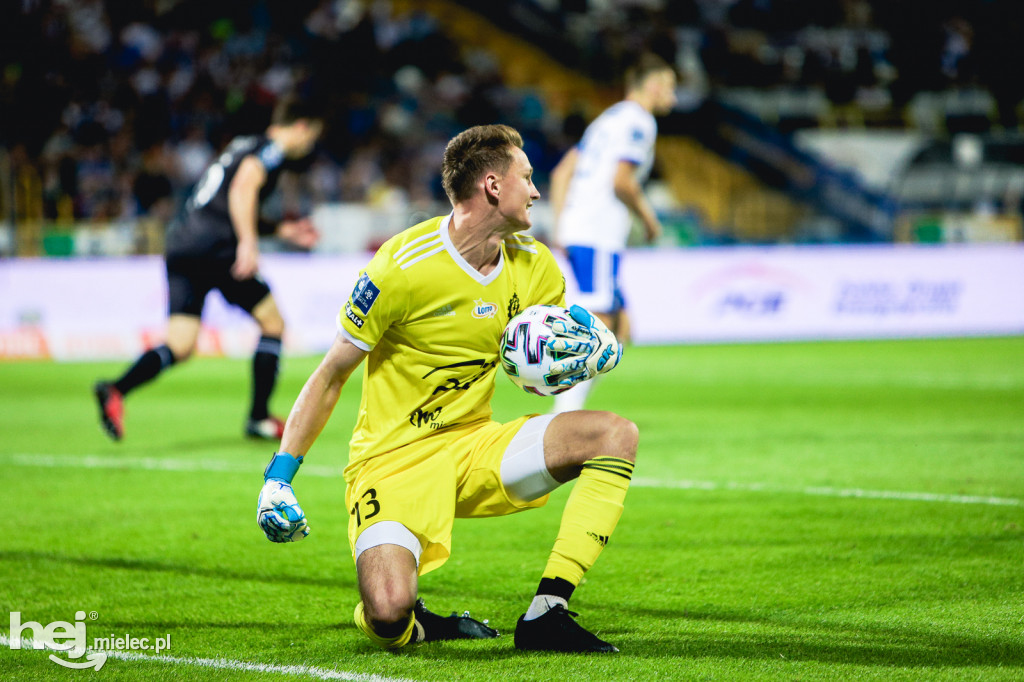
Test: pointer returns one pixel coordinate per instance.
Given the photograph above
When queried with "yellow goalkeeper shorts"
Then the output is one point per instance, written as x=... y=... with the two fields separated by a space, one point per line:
x=425 y=485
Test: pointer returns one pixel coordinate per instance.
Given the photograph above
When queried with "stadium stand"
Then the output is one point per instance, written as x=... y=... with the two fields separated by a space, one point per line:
x=111 y=109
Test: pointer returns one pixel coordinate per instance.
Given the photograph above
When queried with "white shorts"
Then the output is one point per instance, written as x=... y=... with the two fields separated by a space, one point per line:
x=596 y=272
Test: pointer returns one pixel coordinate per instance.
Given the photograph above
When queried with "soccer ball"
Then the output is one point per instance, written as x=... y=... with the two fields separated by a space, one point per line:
x=524 y=349
x=527 y=357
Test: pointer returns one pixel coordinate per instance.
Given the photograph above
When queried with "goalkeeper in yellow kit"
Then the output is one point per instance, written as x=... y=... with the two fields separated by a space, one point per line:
x=427 y=314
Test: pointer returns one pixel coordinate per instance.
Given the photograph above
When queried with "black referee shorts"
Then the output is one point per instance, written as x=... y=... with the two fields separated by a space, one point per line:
x=189 y=280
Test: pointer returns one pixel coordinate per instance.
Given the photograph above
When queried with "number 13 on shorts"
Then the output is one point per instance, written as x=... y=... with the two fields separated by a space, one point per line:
x=366 y=508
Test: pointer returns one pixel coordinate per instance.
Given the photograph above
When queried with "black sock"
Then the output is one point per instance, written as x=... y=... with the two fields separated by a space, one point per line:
x=149 y=364
x=556 y=587
x=264 y=375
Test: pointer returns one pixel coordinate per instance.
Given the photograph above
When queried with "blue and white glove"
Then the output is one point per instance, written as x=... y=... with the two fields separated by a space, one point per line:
x=591 y=348
x=278 y=512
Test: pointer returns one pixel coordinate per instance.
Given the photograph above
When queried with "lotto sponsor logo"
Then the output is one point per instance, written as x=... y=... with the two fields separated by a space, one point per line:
x=482 y=309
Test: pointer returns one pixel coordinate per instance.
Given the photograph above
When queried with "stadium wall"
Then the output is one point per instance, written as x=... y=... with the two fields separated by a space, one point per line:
x=113 y=308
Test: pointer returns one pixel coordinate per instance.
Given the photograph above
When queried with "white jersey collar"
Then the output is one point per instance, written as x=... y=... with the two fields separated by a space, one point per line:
x=446 y=239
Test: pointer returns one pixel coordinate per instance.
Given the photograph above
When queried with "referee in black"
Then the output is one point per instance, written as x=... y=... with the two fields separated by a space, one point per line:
x=216 y=246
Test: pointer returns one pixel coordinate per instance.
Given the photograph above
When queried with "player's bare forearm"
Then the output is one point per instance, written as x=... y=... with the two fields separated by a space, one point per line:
x=630 y=193
x=652 y=226
x=309 y=414
x=243 y=198
x=561 y=176
x=243 y=207
x=319 y=396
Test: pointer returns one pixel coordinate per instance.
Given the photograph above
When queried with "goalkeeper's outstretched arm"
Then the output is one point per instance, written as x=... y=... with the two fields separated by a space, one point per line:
x=318 y=397
x=278 y=512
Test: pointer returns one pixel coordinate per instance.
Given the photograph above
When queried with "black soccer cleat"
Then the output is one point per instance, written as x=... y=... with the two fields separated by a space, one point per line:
x=557 y=631
x=111 y=409
x=431 y=627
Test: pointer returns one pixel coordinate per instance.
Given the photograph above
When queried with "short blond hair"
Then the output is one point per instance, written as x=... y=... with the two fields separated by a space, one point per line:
x=473 y=152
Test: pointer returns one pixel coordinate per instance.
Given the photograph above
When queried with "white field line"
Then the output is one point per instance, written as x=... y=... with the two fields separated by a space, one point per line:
x=156 y=464
x=825 y=491
x=226 y=664
x=168 y=464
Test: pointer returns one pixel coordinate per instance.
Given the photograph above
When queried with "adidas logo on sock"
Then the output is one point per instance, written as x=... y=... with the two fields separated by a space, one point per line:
x=603 y=539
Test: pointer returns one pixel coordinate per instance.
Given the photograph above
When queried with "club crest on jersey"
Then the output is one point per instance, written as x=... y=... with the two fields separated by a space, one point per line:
x=365 y=294
x=513 y=303
x=483 y=309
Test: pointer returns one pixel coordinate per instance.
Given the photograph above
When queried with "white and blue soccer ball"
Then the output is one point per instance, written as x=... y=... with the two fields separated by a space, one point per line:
x=535 y=367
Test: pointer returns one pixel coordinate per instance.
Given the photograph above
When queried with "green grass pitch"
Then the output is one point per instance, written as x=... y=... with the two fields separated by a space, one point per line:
x=847 y=510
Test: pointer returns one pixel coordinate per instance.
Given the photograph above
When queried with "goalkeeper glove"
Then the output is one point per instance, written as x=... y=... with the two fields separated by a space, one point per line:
x=589 y=347
x=278 y=512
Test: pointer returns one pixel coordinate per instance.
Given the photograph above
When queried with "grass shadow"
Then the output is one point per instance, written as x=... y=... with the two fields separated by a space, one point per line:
x=149 y=565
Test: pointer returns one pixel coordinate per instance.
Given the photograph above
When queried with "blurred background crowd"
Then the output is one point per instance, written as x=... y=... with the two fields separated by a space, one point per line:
x=110 y=110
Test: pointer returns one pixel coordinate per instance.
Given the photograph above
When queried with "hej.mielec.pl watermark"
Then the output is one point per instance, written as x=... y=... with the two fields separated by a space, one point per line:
x=71 y=639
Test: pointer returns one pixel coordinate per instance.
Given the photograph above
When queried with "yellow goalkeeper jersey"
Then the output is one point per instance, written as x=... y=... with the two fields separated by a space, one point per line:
x=432 y=325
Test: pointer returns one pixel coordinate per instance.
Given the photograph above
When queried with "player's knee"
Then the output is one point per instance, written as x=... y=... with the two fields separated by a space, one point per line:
x=181 y=352
x=273 y=326
x=389 y=611
x=268 y=317
x=387 y=585
x=619 y=437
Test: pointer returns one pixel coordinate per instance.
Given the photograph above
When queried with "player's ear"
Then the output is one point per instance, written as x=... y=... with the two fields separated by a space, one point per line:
x=492 y=187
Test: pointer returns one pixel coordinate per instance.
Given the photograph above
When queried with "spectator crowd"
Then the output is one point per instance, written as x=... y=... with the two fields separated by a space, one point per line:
x=119 y=106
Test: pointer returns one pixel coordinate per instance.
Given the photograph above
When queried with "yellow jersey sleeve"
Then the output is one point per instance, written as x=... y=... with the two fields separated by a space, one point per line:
x=378 y=300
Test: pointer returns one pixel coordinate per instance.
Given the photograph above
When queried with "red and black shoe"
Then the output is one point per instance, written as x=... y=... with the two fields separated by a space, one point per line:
x=270 y=428
x=111 y=409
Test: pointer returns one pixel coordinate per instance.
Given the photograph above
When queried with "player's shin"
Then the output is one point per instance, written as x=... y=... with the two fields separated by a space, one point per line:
x=145 y=369
x=590 y=516
x=264 y=375
x=384 y=640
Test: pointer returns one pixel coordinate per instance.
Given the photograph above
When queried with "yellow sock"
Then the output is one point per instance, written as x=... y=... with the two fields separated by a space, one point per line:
x=590 y=516
x=383 y=642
